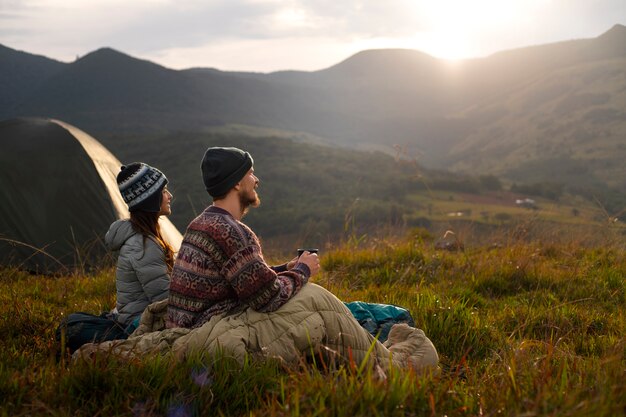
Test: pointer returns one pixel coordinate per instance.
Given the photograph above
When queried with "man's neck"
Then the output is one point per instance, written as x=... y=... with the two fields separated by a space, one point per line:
x=230 y=205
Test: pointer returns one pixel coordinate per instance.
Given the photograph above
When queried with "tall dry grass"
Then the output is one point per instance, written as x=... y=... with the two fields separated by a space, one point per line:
x=524 y=326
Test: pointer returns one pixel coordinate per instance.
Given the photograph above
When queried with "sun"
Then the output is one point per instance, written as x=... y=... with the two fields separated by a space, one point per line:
x=457 y=29
x=451 y=46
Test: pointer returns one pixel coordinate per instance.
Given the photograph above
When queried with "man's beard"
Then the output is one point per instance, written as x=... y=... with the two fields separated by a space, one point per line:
x=247 y=200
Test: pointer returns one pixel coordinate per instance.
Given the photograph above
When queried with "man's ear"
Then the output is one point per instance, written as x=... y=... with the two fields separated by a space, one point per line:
x=237 y=186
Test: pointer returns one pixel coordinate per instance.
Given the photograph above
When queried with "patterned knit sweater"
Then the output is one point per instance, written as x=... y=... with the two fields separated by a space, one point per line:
x=220 y=269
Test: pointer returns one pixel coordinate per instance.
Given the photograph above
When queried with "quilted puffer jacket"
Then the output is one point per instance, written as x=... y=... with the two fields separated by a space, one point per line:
x=141 y=276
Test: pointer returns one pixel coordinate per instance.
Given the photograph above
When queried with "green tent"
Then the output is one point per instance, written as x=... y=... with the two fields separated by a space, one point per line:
x=58 y=196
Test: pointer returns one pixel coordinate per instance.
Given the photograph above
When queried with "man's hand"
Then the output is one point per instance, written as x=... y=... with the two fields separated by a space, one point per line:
x=311 y=260
x=292 y=263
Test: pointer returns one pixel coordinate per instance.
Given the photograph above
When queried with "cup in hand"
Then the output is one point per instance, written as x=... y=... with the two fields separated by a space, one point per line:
x=311 y=250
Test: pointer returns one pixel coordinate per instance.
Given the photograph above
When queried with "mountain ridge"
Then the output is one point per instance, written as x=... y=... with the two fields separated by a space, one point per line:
x=447 y=114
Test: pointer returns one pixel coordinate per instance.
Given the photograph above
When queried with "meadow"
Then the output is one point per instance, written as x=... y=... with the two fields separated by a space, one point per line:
x=526 y=325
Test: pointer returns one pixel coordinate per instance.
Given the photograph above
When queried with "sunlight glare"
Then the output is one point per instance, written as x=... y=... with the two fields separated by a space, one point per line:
x=452 y=29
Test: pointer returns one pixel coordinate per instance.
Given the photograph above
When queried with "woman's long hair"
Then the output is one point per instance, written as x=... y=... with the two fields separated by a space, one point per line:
x=148 y=225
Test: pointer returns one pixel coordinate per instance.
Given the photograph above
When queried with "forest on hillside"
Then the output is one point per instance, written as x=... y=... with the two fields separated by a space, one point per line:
x=312 y=192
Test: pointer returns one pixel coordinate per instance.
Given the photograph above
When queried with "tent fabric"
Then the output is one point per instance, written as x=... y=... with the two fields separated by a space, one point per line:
x=59 y=196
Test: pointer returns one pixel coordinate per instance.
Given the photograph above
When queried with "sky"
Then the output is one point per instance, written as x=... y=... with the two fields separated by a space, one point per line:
x=272 y=35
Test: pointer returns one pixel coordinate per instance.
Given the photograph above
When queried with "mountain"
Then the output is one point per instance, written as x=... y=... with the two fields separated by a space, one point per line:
x=21 y=73
x=566 y=122
x=576 y=114
x=109 y=91
x=560 y=103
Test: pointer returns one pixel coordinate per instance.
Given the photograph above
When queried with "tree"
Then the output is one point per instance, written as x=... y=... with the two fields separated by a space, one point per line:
x=490 y=182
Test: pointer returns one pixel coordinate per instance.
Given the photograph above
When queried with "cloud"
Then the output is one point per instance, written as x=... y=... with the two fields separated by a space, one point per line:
x=149 y=25
x=206 y=32
x=259 y=55
x=140 y=24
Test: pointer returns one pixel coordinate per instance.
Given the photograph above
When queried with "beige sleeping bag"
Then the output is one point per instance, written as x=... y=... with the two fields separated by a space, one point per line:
x=314 y=321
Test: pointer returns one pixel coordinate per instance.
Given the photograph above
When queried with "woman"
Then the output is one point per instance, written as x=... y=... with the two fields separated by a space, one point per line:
x=145 y=258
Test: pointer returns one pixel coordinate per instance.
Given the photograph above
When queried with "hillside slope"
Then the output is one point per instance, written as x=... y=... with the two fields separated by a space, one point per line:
x=577 y=113
x=20 y=74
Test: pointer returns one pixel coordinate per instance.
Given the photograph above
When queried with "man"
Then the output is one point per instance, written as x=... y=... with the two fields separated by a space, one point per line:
x=220 y=267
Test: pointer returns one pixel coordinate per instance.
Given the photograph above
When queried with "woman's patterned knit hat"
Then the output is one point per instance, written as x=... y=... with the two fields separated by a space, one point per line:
x=141 y=187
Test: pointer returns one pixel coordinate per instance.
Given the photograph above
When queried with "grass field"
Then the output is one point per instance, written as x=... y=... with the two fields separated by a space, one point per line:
x=489 y=207
x=529 y=327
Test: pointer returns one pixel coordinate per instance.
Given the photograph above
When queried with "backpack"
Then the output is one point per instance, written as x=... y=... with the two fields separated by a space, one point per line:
x=80 y=328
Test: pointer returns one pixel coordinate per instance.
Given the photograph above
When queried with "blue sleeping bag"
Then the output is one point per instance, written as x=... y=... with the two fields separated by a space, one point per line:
x=379 y=318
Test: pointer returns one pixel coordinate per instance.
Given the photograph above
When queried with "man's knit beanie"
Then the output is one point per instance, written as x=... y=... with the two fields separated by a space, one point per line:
x=141 y=187
x=223 y=168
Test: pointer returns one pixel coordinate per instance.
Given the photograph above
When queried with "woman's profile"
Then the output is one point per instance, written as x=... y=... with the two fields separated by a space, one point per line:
x=145 y=258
